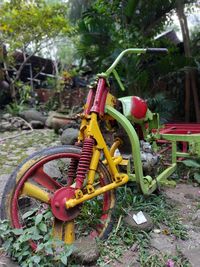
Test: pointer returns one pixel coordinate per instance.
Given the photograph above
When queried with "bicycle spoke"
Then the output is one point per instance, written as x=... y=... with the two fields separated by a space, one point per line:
x=36 y=192
x=45 y=180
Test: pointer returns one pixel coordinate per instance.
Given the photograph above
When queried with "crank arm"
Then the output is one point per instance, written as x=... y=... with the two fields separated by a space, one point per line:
x=73 y=202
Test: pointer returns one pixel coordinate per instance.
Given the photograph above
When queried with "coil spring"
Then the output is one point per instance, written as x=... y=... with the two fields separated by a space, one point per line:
x=72 y=171
x=72 y=168
x=84 y=162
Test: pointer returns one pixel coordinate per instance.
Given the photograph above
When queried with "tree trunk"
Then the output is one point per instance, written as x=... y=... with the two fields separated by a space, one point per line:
x=190 y=81
x=195 y=94
x=187 y=96
x=11 y=83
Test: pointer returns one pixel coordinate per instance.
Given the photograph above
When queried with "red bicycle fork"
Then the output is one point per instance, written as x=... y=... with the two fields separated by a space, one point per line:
x=96 y=101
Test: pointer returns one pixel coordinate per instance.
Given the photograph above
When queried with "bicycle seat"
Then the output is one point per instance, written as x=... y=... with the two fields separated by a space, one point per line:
x=134 y=107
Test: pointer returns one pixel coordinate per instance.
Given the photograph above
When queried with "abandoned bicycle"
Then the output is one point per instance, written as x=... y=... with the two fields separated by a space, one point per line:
x=83 y=189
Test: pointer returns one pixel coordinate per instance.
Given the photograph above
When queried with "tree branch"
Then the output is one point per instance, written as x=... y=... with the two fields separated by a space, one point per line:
x=160 y=14
x=148 y=28
x=26 y=59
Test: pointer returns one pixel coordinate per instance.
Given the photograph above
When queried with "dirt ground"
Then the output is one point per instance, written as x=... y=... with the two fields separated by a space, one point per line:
x=185 y=198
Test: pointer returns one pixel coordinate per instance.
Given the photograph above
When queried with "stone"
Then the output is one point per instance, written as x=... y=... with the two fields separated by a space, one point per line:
x=189 y=196
x=193 y=256
x=163 y=243
x=33 y=115
x=182 y=194
x=7 y=262
x=69 y=136
x=29 y=151
x=25 y=127
x=6 y=116
x=5 y=126
x=59 y=121
x=3 y=180
x=37 y=124
x=86 y=250
x=129 y=258
x=52 y=169
x=192 y=242
x=196 y=215
x=147 y=226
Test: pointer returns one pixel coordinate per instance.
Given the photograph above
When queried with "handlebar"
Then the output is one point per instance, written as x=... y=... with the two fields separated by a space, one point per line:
x=134 y=51
x=138 y=51
x=157 y=50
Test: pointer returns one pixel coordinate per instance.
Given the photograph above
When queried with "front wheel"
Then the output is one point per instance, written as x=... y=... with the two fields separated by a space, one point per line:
x=33 y=184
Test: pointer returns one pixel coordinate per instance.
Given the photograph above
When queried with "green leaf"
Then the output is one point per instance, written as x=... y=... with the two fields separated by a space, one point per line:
x=28 y=214
x=43 y=227
x=38 y=218
x=7 y=244
x=49 y=250
x=64 y=259
x=197 y=177
x=48 y=215
x=68 y=250
x=23 y=238
x=37 y=237
x=40 y=247
x=17 y=231
x=36 y=259
x=191 y=163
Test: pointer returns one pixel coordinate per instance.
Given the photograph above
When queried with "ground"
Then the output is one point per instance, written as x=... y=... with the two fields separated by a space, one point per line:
x=169 y=242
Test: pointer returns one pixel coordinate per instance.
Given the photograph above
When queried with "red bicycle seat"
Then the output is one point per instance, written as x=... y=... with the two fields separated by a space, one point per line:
x=138 y=107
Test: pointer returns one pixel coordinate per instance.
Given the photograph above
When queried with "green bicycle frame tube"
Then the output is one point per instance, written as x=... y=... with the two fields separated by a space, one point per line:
x=146 y=184
x=125 y=123
x=127 y=51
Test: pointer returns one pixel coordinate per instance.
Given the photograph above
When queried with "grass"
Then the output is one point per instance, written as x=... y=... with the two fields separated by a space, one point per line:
x=123 y=237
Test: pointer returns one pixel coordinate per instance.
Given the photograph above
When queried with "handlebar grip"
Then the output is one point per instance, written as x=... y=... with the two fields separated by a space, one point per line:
x=157 y=51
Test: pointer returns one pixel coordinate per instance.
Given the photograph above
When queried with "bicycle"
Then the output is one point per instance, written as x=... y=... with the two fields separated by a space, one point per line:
x=82 y=200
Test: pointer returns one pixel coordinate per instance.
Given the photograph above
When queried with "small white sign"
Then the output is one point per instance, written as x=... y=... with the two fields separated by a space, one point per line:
x=139 y=218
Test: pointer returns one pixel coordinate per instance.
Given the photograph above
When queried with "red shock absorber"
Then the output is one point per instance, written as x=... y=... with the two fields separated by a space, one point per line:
x=71 y=174
x=84 y=162
x=72 y=171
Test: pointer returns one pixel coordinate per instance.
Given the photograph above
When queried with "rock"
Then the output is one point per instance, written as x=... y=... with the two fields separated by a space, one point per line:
x=163 y=243
x=147 y=226
x=189 y=196
x=128 y=258
x=58 y=121
x=86 y=250
x=37 y=124
x=25 y=127
x=6 y=126
x=193 y=256
x=30 y=150
x=7 y=262
x=182 y=194
x=3 y=180
x=17 y=124
x=52 y=169
x=32 y=115
x=69 y=136
x=192 y=242
x=6 y=116
x=196 y=216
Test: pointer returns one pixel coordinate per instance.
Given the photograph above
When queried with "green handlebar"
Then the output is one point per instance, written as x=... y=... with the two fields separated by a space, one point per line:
x=127 y=51
x=111 y=69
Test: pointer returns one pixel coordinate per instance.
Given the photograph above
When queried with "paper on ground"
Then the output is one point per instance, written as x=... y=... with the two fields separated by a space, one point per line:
x=139 y=218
